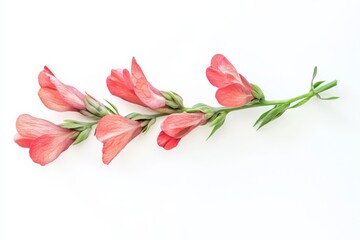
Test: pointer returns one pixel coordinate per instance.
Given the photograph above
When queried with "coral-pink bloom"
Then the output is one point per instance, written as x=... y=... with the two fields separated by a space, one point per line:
x=45 y=140
x=115 y=132
x=176 y=126
x=134 y=87
x=56 y=95
x=234 y=90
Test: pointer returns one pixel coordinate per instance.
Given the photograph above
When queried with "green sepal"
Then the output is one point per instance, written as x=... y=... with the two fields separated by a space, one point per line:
x=110 y=110
x=201 y=107
x=139 y=116
x=148 y=125
x=217 y=122
x=173 y=100
x=257 y=92
x=91 y=101
x=83 y=135
x=71 y=124
x=113 y=106
x=171 y=104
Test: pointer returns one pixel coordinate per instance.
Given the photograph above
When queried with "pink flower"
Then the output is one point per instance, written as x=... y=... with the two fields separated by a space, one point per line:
x=115 y=132
x=134 y=87
x=234 y=90
x=45 y=140
x=57 y=96
x=177 y=126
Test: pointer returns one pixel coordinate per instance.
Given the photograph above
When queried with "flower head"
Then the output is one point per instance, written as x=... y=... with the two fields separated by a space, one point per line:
x=234 y=90
x=134 y=87
x=115 y=132
x=57 y=96
x=177 y=126
x=45 y=140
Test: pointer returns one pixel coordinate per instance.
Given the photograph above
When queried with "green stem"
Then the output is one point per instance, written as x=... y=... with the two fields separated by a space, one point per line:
x=262 y=103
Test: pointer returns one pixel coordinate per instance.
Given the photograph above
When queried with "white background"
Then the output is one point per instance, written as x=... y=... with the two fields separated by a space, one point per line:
x=297 y=178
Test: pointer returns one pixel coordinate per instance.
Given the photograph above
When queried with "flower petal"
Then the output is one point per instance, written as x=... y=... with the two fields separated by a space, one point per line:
x=22 y=141
x=166 y=141
x=47 y=148
x=71 y=95
x=146 y=94
x=234 y=95
x=67 y=95
x=52 y=99
x=180 y=124
x=32 y=127
x=113 y=146
x=136 y=70
x=45 y=77
x=221 y=72
x=113 y=125
x=120 y=84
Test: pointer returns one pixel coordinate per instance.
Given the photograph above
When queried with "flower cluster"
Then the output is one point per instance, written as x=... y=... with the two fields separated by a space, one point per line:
x=46 y=140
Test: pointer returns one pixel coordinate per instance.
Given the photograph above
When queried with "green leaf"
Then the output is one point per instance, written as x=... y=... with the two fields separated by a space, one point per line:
x=273 y=114
x=300 y=103
x=329 y=98
x=261 y=117
x=82 y=136
x=315 y=85
x=314 y=73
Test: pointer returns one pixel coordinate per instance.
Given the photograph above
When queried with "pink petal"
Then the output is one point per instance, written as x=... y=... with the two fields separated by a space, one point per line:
x=22 y=141
x=136 y=70
x=245 y=83
x=47 y=148
x=222 y=63
x=220 y=79
x=71 y=95
x=221 y=72
x=32 y=127
x=45 y=78
x=113 y=125
x=234 y=95
x=120 y=84
x=52 y=99
x=166 y=141
x=146 y=94
x=180 y=124
x=67 y=95
x=113 y=146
